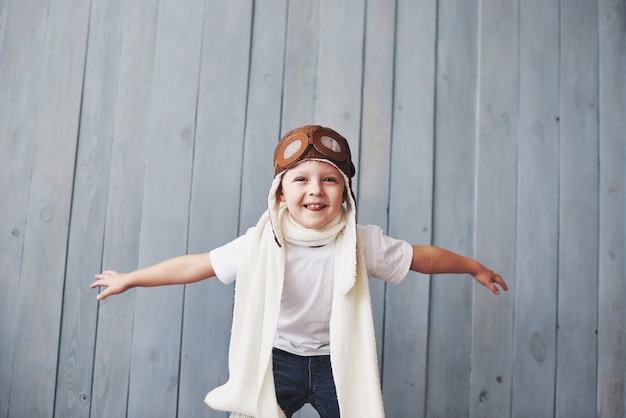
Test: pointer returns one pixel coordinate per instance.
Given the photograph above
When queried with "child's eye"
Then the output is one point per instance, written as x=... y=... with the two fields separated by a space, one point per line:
x=299 y=179
x=330 y=180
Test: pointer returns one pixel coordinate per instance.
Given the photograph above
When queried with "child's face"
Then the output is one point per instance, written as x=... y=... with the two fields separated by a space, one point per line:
x=313 y=191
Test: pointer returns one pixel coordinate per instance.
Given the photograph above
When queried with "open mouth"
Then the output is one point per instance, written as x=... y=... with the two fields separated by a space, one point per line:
x=315 y=206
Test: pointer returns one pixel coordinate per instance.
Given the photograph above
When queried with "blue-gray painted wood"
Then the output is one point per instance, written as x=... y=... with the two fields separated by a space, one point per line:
x=373 y=197
x=215 y=199
x=55 y=133
x=158 y=312
x=612 y=209
x=449 y=342
x=534 y=290
x=406 y=312
x=577 y=314
x=112 y=359
x=495 y=129
x=3 y=22
x=22 y=35
x=496 y=201
x=87 y=225
x=269 y=28
x=301 y=51
x=340 y=71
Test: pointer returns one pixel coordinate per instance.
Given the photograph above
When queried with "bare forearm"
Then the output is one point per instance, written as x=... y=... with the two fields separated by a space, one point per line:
x=179 y=270
x=435 y=260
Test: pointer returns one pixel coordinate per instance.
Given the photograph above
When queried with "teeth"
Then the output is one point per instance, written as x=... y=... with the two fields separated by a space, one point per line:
x=314 y=206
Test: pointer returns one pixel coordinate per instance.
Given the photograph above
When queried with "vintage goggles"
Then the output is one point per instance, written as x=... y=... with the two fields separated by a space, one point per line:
x=313 y=142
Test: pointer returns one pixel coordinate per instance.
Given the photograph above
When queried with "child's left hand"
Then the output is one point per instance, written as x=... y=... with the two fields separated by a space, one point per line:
x=489 y=279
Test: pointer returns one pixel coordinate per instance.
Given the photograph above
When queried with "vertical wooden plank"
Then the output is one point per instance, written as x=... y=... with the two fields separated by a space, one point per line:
x=612 y=227
x=3 y=22
x=40 y=296
x=496 y=178
x=410 y=205
x=215 y=198
x=340 y=71
x=264 y=106
x=449 y=342
x=154 y=374
x=536 y=244
x=376 y=134
x=124 y=205
x=22 y=36
x=300 y=64
x=578 y=212
x=76 y=350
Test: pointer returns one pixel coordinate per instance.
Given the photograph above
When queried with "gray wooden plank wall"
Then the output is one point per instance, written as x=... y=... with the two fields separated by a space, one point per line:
x=132 y=131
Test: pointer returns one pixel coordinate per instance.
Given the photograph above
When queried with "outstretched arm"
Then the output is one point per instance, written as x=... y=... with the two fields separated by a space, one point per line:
x=435 y=260
x=179 y=270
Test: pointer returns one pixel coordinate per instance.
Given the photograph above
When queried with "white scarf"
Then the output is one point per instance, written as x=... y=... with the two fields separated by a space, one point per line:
x=250 y=391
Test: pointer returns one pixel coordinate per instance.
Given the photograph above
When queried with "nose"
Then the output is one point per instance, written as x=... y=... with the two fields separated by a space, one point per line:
x=315 y=188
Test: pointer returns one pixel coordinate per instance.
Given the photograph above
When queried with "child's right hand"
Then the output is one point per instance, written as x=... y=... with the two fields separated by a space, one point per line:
x=113 y=281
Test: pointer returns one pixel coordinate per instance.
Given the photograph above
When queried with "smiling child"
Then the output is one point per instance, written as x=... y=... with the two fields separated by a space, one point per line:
x=302 y=322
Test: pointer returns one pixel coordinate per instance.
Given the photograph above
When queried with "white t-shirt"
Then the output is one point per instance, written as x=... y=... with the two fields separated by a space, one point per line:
x=303 y=323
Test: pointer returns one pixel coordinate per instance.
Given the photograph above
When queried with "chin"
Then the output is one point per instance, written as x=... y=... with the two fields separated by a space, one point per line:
x=313 y=224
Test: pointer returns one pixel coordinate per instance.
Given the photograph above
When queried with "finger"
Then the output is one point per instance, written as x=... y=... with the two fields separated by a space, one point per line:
x=104 y=294
x=501 y=282
x=493 y=288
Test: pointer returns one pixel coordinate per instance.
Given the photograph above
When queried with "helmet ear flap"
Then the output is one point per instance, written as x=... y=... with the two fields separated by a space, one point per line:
x=280 y=197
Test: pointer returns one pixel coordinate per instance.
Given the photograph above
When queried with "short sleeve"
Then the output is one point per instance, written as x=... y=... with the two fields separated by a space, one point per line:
x=386 y=258
x=225 y=259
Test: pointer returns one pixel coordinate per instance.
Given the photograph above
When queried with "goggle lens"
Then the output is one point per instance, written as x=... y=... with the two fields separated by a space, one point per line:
x=331 y=144
x=292 y=149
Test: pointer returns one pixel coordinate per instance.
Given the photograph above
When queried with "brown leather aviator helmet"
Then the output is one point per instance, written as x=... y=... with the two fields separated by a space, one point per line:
x=313 y=141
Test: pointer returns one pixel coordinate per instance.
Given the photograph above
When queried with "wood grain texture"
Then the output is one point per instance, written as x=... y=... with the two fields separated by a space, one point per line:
x=612 y=211
x=120 y=248
x=263 y=108
x=301 y=65
x=215 y=199
x=449 y=342
x=22 y=36
x=87 y=224
x=55 y=134
x=153 y=384
x=410 y=206
x=373 y=197
x=535 y=287
x=578 y=212
x=496 y=200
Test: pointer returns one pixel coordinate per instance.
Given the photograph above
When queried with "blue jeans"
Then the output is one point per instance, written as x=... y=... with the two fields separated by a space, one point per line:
x=299 y=380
